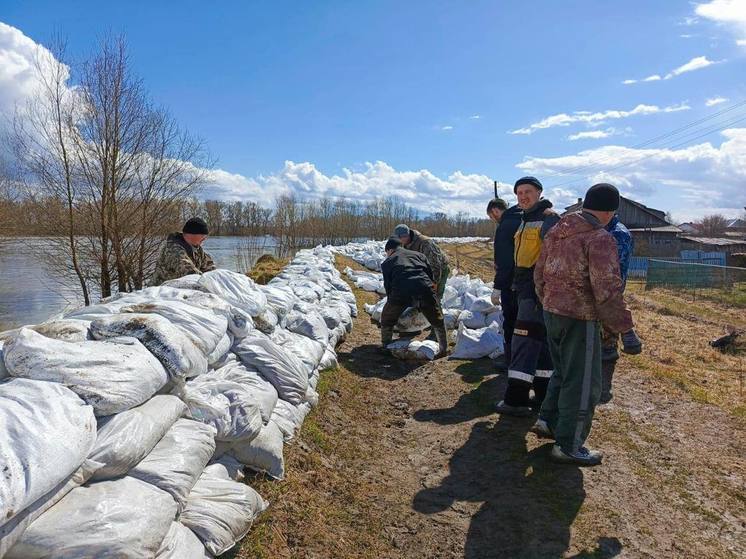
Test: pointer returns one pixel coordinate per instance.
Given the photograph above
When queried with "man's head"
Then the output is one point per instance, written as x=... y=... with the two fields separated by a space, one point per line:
x=602 y=201
x=495 y=209
x=391 y=245
x=195 y=231
x=403 y=233
x=528 y=190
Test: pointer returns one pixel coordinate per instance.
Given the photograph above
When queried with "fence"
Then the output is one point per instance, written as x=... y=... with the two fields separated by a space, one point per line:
x=638 y=265
x=693 y=275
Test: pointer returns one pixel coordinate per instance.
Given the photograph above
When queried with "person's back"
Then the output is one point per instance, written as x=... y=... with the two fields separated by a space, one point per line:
x=183 y=253
x=504 y=247
x=406 y=274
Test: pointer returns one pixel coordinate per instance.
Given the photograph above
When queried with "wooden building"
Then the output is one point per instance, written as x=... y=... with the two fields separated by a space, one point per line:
x=633 y=214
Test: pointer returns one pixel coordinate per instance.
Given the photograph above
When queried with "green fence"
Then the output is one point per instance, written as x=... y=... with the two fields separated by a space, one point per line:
x=718 y=283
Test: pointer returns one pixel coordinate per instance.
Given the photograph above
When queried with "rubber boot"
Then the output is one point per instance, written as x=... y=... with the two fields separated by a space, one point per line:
x=607 y=375
x=387 y=335
x=442 y=337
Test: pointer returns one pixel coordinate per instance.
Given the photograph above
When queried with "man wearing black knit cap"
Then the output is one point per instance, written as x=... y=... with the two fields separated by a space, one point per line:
x=580 y=287
x=183 y=253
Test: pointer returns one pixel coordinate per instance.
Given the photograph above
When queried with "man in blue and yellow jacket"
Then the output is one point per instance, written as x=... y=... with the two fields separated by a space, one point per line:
x=530 y=362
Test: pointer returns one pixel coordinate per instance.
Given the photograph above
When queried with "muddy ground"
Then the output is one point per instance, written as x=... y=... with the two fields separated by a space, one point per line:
x=409 y=461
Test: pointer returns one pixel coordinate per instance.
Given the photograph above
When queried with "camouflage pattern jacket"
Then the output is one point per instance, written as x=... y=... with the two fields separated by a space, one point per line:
x=435 y=257
x=178 y=258
x=577 y=274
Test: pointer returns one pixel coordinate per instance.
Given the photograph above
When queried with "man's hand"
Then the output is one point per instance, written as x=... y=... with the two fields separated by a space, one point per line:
x=631 y=344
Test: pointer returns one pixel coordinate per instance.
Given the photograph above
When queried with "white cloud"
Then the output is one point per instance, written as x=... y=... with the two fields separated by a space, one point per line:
x=696 y=63
x=422 y=189
x=446 y=127
x=696 y=178
x=589 y=118
x=593 y=134
x=731 y=13
x=475 y=117
x=715 y=101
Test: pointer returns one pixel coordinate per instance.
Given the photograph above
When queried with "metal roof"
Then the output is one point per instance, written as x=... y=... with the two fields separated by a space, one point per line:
x=663 y=229
x=714 y=241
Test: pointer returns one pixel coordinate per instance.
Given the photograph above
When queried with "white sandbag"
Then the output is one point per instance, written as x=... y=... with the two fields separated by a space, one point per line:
x=264 y=454
x=126 y=438
x=237 y=289
x=226 y=466
x=92 y=312
x=230 y=407
x=308 y=351
x=216 y=358
x=173 y=348
x=46 y=432
x=310 y=324
x=177 y=461
x=312 y=397
x=483 y=305
x=451 y=298
x=220 y=511
x=313 y=380
x=472 y=319
x=289 y=417
x=368 y=284
x=181 y=543
x=112 y=376
x=375 y=310
x=204 y=327
x=473 y=344
x=3 y=370
x=124 y=518
x=411 y=320
x=414 y=349
x=190 y=281
x=11 y=531
x=450 y=318
x=66 y=329
x=264 y=394
x=280 y=298
x=280 y=367
x=266 y=321
x=329 y=360
x=494 y=316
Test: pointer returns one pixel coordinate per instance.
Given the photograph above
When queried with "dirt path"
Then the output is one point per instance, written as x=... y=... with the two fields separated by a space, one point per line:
x=408 y=461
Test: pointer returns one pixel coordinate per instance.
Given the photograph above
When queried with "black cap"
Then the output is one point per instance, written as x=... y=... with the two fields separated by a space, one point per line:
x=602 y=197
x=196 y=226
x=533 y=181
x=392 y=244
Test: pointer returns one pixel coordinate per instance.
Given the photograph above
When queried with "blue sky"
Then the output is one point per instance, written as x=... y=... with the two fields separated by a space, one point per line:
x=432 y=91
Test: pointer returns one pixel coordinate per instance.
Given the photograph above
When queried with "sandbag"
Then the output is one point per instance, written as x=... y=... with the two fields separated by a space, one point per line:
x=310 y=324
x=414 y=349
x=220 y=511
x=280 y=298
x=181 y=543
x=46 y=433
x=307 y=350
x=266 y=321
x=124 y=518
x=483 y=305
x=173 y=348
x=66 y=329
x=280 y=367
x=289 y=417
x=328 y=360
x=11 y=531
x=112 y=376
x=229 y=406
x=226 y=466
x=190 y=281
x=411 y=320
x=473 y=344
x=450 y=318
x=472 y=319
x=177 y=461
x=3 y=370
x=216 y=358
x=204 y=327
x=126 y=438
x=264 y=454
x=264 y=394
x=237 y=289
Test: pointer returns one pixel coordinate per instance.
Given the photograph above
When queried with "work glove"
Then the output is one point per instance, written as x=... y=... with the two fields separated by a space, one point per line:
x=631 y=344
x=495 y=297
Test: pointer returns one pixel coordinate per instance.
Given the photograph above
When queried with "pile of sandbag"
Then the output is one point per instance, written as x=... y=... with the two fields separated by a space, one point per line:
x=125 y=426
x=467 y=308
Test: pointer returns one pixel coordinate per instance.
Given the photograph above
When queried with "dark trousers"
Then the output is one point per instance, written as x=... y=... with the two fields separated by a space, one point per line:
x=575 y=386
x=426 y=303
x=509 y=304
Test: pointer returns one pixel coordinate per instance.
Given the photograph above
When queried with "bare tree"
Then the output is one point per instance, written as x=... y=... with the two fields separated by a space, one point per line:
x=712 y=225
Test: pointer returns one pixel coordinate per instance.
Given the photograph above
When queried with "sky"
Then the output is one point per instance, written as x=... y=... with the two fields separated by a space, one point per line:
x=428 y=100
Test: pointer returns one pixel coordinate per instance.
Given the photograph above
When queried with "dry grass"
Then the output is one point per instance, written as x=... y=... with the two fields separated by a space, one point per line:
x=267 y=267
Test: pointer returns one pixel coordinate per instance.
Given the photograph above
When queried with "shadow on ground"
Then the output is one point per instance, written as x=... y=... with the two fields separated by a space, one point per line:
x=369 y=361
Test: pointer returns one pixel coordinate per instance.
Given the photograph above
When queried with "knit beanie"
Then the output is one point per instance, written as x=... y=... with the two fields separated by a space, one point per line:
x=533 y=181
x=392 y=244
x=401 y=230
x=196 y=226
x=602 y=197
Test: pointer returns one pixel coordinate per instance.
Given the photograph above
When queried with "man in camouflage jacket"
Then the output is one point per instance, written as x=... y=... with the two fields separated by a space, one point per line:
x=183 y=253
x=578 y=282
x=416 y=241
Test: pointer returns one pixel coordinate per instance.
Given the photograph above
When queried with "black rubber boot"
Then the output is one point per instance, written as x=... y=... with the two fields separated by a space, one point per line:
x=441 y=335
x=607 y=376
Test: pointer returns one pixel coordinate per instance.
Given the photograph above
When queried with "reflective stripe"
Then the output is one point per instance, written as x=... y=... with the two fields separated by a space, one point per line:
x=520 y=332
x=585 y=394
x=544 y=373
x=518 y=375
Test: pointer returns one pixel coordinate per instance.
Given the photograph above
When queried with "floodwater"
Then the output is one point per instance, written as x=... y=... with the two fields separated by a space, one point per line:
x=30 y=293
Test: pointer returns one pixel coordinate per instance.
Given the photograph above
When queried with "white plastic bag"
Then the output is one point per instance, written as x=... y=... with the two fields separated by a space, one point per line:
x=266 y=321
x=264 y=394
x=112 y=375
x=216 y=358
x=265 y=453
x=220 y=511
x=66 y=329
x=414 y=349
x=307 y=350
x=280 y=367
x=473 y=344
x=46 y=433
x=126 y=438
x=237 y=289
x=472 y=319
x=181 y=543
x=3 y=371
x=310 y=324
x=124 y=518
x=173 y=348
x=411 y=320
x=177 y=461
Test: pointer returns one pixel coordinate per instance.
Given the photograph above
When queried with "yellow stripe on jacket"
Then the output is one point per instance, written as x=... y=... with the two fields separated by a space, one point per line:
x=528 y=244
